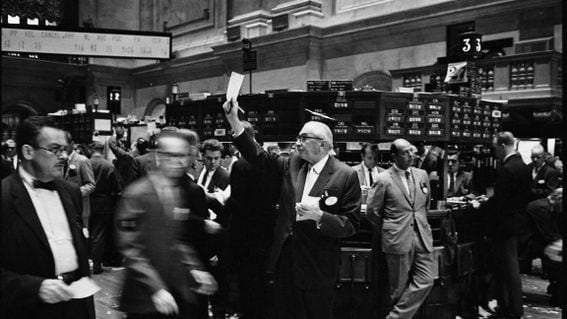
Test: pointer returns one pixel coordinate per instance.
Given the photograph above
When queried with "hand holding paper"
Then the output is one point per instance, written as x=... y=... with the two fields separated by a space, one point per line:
x=83 y=288
x=233 y=89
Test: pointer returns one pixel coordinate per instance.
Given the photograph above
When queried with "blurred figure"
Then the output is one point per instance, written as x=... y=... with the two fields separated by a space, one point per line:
x=285 y=149
x=119 y=146
x=544 y=177
x=146 y=162
x=319 y=204
x=273 y=149
x=558 y=164
x=42 y=245
x=163 y=269
x=78 y=170
x=103 y=201
x=398 y=204
x=10 y=153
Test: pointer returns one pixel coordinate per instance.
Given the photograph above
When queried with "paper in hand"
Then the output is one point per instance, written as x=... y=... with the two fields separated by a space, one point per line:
x=234 y=85
x=83 y=288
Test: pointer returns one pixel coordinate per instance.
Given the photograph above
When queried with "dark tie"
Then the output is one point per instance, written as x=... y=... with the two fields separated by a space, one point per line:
x=45 y=185
x=411 y=186
x=370 y=179
x=451 y=184
x=205 y=178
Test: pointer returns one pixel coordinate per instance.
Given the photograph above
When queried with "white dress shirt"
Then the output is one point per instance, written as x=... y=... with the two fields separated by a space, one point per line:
x=402 y=174
x=366 y=171
x=312 y=176
x=53 y=219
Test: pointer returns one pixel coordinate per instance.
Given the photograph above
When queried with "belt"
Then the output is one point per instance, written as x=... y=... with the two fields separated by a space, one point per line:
x=69 y=277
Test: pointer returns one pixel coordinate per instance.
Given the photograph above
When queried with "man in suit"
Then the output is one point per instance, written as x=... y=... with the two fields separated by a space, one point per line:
x=506 y=220
x=319 y=204
x=119 y=146
x=544 y=177
x=398 y=204
x=252 y=204
x=367 y=170
x=145 y=163
x=154 y=222
x=459 y=183
x=215 y=180
x=42 y=246
x=79 y=171
x=103 y=200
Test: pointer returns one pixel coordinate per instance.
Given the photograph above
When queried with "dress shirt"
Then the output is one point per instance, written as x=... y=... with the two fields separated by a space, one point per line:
x=54 y=222
x=312 y=176
x=403 y=177
x=535 y=171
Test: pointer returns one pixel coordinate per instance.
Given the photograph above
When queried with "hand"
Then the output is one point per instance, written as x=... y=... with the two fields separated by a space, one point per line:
x=475 y=204
x=164 y=302
x=207 y=284
x=305 y=212
x=231 y=109
x=54 y=291
x=213 y=261
x=211 y=227
x=86 y=232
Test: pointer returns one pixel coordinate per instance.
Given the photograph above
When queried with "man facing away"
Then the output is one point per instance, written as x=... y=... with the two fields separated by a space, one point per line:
x=319 y=204
x=42 y=246
x=163 y=269
x=398 y=205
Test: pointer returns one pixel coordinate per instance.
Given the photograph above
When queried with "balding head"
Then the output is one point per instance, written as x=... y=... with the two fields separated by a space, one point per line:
x=320 y=130
x=314 y=142
x=503 y=144
x=402 y=153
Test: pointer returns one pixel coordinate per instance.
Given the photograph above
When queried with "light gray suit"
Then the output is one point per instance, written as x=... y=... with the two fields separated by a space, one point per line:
x=360 y=170
x=406 y=237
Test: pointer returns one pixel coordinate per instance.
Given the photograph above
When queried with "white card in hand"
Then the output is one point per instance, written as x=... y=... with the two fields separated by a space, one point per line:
x=234 y=85
x=83 y=288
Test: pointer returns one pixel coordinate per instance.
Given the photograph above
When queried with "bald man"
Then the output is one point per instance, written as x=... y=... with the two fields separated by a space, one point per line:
x=397 y=205
x=319 y=204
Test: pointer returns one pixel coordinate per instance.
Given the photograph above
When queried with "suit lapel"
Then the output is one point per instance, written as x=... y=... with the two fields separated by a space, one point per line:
x=24 y=206
x=398 y=180
x=459 y=181
x=361 y=175
x=214 y=180
x=323 y=178
x=300 y=182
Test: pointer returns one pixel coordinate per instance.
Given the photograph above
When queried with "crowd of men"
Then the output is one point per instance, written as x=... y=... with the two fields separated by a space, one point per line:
x=187 y=218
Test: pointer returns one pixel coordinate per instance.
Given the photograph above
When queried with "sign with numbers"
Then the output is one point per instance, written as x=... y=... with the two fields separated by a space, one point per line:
x=91 y=42
x=471 y=43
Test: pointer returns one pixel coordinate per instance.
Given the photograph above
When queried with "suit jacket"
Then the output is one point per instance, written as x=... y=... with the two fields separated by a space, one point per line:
x=315 y=248
x=108 y=186
x=220 y=179
x=506 y=208
x=143 y=164
x=81 y=176
x=123 y=158
x=7 y=168
x=25 y=256
x=544 y=223
x=157 y=245
x=389 y=204
x=360 y=170
x=463 y=183
x=547 y=179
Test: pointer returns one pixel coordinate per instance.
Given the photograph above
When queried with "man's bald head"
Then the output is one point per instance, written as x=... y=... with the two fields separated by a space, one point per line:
x=402 y=153
x=320 y=130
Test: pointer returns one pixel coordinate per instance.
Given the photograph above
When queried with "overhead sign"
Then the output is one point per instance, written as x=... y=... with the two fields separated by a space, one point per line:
x=249 y=61
x=88 y=42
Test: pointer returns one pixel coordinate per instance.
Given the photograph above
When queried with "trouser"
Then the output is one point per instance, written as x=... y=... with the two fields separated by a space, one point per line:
x=251 y=272
x=411 y=279
x=507 y=275
x=100 y=231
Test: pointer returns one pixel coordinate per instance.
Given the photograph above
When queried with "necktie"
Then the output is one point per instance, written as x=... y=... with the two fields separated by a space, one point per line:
x=45 y=185
x=370 y=179
x=205 y=178
x=451 y=184
x=411 y=186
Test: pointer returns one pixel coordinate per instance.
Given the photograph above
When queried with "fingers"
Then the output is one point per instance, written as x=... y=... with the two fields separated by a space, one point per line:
x=53 y=291
x=165 y=303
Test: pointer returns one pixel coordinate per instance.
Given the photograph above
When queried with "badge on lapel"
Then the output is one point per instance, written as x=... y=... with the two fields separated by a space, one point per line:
x=72 y=170
x=541 y=181
x=329 y=200
x=424 y=188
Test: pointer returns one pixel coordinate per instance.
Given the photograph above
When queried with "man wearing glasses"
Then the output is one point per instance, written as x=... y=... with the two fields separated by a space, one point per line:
x=319 y=204
x=42 y=245
x=544 y=177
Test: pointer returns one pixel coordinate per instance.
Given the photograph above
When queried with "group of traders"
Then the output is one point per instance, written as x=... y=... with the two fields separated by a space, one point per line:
x=275 y=219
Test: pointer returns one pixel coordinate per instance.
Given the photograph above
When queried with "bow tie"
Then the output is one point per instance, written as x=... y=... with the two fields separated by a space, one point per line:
x=45 y=185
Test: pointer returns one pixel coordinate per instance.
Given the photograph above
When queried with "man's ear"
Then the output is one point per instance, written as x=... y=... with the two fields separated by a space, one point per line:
x=27 y=151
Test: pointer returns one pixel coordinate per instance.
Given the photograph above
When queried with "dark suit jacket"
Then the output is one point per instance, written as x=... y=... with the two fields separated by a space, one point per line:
x=25 y=256
x=220 y=179
x=546 y=180
x=108 y=186
x=157 y=245
x=544 y=223
x=315 y=250
x=143 y=164
x=7 y=168
x=507 y=208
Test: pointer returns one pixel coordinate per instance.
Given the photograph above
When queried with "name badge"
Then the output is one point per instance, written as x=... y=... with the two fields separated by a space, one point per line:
x=180 y=213
x=541 y=181
x=330 y=201
x=424 y=188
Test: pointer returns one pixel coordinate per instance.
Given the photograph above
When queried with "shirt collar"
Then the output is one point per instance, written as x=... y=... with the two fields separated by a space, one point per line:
x=368 y=168
x=318 y=167
x=26 y=177
x=401 y=171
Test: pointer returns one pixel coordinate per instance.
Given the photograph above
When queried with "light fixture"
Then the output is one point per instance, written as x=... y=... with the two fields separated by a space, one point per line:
x=174 y=88
x=167 y=100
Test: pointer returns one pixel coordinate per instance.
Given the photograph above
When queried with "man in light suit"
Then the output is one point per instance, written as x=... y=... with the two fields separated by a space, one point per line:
x=79 y=171
x=319 y=204
x=42 y=248
x=399 y=202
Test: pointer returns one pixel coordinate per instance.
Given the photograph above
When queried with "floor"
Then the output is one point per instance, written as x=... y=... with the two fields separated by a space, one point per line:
x=535 y=296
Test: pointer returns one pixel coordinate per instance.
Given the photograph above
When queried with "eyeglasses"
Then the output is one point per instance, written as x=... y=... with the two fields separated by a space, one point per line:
x=303 y=138
x=56 y=150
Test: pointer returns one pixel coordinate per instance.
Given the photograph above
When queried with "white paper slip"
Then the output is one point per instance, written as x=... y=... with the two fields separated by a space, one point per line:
x=234 y=85
x=307 y=201
x=83 y=288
